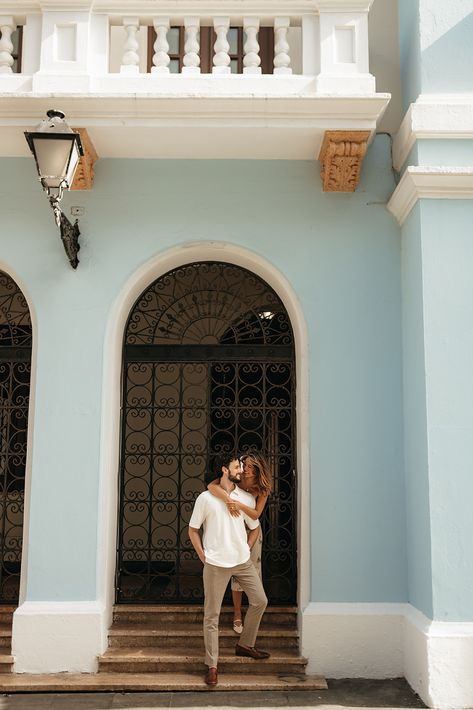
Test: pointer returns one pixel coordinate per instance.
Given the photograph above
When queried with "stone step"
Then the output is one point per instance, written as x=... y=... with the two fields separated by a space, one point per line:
x=6 y=661
x=5 y=636
x=164 y=615
x=129 y=682
x=150 y=660
x=6 y=614
x=190 y=636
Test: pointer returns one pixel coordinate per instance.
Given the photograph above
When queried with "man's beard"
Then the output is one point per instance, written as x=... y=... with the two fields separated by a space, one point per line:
x=234 y=478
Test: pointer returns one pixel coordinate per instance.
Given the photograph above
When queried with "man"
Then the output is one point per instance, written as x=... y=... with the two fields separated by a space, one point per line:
x=225 y=553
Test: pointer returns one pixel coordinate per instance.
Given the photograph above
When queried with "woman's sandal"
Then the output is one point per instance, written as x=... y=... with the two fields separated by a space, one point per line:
x=237 y=626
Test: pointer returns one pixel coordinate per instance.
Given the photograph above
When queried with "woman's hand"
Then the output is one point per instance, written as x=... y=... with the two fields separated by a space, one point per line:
x=233 y=507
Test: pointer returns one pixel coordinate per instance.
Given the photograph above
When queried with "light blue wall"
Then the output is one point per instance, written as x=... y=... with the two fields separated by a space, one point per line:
x=415 y=418
x=435 y=47
x=409 y=49
x=341 y=253
x=437 y=268
x=447 y=251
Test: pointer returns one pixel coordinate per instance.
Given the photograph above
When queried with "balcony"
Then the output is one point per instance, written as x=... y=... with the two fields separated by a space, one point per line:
x=152 y=79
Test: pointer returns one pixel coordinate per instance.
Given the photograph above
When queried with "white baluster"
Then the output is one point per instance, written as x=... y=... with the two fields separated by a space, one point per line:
x=161 y=46
x=251 y=60
x=7 y=27
x=131 y=58
x=221 y=60
x=282 y=60
x=191 y=46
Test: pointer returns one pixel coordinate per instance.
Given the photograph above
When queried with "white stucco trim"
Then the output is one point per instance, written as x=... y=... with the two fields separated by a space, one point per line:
x=391 y=640
x=432 y=183
x=433 y=116
x=353 y=640
x=21 y=283
x=438 y=658
x=50 y=637
x=134 y=286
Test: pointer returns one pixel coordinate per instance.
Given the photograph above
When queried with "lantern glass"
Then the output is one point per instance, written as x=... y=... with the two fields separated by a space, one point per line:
x=56 y=158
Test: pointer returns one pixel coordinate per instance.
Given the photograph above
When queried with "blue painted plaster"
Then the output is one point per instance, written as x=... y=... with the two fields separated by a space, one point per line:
x=409 y=50
x=450 y=153
x=447 y=250
x=435 y=47
x=415 y=418
x=341 y=253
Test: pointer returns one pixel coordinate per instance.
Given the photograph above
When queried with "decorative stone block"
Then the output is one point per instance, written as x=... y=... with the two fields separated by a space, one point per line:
x=84 y=177
x=341 y=156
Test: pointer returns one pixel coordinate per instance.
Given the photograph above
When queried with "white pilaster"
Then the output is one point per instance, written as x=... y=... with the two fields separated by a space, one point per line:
x=221 y=60
x=191 y=46
x=251 y=60
x=66 y=52
x=344 y=63
x=161 y=46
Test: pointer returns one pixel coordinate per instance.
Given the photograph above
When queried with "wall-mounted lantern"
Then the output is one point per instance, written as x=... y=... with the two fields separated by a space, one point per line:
x=57 y=150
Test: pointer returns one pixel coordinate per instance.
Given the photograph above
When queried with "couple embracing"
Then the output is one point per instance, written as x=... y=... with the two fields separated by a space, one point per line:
x=231 y=549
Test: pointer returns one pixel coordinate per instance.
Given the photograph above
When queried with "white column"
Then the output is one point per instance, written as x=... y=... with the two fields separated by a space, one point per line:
x=282 y=60
x=131 y=58
x=251 y=60
x=7 y=27
x=191 y=46
x=344 y=65
x=221 y=60
x=161 y=46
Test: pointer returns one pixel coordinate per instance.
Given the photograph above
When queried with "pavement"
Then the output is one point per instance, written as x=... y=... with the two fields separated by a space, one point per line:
x=341 y=695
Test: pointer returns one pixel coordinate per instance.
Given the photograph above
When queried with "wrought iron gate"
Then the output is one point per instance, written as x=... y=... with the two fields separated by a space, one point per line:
x=15 y=370
x=208 y=367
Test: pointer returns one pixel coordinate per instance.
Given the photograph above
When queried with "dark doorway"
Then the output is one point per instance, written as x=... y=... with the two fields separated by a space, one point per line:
x=208 y=367
x=15 y=371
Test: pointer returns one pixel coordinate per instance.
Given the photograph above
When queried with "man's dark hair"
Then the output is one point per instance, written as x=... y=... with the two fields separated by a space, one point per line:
x=221 y=460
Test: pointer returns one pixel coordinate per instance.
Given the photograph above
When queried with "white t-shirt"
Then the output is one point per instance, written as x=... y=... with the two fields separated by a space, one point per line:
x=225 y=537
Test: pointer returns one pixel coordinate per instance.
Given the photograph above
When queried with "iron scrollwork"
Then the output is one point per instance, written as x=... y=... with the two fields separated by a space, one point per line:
x=15 y=372
x=209 y=367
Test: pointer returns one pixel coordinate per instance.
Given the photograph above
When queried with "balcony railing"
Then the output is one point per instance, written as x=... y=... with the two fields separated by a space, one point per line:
x=96 y=47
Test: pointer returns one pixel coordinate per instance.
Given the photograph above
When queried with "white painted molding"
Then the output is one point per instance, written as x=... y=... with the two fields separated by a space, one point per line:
x=433 y=116
x=173 y=7
x=353 y=640
x=438 y=658
x=51 y=637
x=391 y=640
x=432 y=183
x=192 y=126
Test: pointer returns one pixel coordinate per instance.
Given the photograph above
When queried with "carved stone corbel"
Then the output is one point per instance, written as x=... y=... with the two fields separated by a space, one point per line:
x=340 y=157
x=84 y=177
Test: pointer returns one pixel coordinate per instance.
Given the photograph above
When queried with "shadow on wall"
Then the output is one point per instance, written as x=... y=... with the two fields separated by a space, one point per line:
x=446 y=63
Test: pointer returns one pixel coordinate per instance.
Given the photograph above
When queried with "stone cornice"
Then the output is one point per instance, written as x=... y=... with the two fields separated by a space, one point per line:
x=433 y=117
x=439 y=183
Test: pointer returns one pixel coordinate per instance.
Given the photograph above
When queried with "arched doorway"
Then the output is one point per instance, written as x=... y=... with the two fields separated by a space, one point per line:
x=15 y=372
x=208 y=366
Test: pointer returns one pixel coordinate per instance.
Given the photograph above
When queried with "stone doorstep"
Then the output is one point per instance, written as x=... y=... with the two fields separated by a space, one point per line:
x=152 y=682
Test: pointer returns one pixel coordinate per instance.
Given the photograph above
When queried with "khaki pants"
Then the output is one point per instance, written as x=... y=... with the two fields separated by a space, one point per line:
x=215 y=583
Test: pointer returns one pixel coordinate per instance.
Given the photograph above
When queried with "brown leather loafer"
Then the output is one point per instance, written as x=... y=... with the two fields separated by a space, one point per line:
x=251 y=652
x=211 y=677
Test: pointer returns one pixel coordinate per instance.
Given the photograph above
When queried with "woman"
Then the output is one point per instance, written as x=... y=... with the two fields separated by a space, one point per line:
x=256 y=480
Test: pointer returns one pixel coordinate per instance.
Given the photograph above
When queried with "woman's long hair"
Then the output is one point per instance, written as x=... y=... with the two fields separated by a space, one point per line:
x=263 y=476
